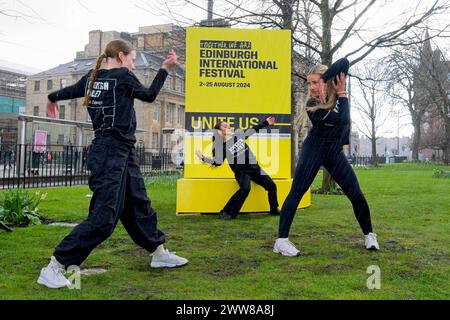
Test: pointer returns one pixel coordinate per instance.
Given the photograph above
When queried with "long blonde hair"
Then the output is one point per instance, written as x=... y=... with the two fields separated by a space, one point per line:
x=112 y=50
x=330 y=102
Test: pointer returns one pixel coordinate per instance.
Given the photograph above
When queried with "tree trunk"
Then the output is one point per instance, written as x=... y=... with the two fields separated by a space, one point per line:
x=416 y=136
x=373 y=137
x=446 y=155
x=446 y=149
x=326 y=55
x=328 y=184
x=374 y=151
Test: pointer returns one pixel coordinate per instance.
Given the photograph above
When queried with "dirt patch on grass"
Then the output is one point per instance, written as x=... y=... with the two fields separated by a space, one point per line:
x=394 y=246
x=246 y=235
x=127 y=292
x=332 y=268
x=411 y=273
x=230 y=266
x=350 y=240
x=440 y=257
x=267 y=245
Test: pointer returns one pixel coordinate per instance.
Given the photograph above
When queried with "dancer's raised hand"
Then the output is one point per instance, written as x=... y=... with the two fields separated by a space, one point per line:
x=339 y=84
x=271 y=120
x=52 y=107
x=170 y=62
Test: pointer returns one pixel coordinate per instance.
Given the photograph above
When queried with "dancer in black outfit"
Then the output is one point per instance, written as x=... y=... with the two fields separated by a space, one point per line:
x=242 y=161
x=118 y=187
x=328 y=111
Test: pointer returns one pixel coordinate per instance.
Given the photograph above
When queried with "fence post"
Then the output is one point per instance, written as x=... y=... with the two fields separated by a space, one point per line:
x=21 y=150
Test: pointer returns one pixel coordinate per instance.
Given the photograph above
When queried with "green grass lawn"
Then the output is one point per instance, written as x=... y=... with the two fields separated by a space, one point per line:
x=234 y=259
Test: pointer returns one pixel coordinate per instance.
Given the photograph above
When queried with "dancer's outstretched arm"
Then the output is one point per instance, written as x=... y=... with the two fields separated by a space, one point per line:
x=270 y=121
x=78 y=90
x=215 y=161
x=142 y=93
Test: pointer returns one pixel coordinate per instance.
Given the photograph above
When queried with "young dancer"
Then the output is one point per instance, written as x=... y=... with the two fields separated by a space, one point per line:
x=328 y=111
x=242 y=161
x=118 y=188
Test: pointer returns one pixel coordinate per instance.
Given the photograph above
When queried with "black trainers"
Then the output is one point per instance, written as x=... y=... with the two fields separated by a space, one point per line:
x=225 y=216
x=275 y=212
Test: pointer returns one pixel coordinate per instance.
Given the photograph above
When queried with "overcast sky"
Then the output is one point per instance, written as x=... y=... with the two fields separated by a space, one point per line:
x=54 y=30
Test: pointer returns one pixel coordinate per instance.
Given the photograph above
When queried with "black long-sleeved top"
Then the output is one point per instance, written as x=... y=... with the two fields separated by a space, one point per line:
x=111 y=106
x=235 y=150
x=332 y=125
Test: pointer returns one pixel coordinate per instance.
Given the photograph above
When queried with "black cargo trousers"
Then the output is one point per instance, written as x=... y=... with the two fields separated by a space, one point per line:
x=118 y=194
x=244 y=177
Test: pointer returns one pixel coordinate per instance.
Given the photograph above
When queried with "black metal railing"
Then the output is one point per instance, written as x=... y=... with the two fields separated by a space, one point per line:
x=25 y=166
x=363 y=161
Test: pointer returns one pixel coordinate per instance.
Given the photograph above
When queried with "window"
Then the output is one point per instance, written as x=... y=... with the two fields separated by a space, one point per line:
x=180 y=115
x=49 y=140
x=166 y=139
x=62 y=112
x=154 y=140
x=167 y=83
x=179 y=85
x=37 y=85
x=169 y=112
x=156 y=112
x=173 y=83
x=63 y=83
x=60 y=140
x=36 y=111
x=49 y=84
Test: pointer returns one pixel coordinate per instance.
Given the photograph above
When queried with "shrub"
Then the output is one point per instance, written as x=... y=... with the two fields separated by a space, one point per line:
x=20 y=207
x=439 y=173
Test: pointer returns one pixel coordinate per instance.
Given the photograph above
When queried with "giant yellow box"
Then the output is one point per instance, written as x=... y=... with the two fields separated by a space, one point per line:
x=211 y=195
x=241 y=77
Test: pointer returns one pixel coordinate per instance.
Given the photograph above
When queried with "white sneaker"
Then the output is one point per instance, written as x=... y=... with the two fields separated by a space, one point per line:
x=167 y=259
x=52 y=276
x=286 y=248
x=371 y=242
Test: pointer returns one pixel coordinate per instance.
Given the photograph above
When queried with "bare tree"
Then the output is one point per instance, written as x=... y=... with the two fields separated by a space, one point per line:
x=433 y=81
x=417 y=80
x=321 y=28
x=23 y=12
x=403 y=65
x=370 y=101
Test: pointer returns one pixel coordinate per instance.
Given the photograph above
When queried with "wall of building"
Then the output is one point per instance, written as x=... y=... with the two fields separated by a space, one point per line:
x=12 y=102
